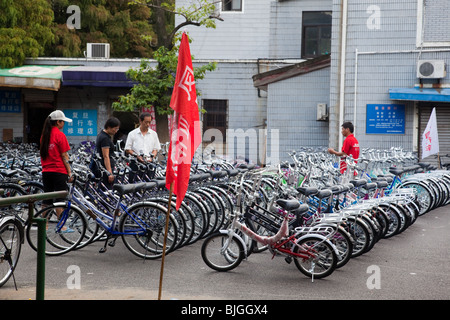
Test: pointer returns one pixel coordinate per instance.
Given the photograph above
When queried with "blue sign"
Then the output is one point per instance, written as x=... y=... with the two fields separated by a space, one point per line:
x=84 y=122
x=385 y=119
x=10 y=101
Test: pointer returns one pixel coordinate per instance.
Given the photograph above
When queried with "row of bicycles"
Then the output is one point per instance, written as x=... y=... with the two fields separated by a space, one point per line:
x=303 y=210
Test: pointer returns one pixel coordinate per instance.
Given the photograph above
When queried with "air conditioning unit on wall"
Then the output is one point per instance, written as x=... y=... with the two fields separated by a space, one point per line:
x=97 y=50
x=431 y=69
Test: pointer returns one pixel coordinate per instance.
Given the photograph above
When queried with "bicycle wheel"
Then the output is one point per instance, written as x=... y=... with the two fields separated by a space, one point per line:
x=66 y=227
x=200 y=216
x=321 y=258
x=425 y=196
x=222 y=252
x=11 y=238
x=14 y=190
x=143 y=230
x=360 y=233
x=343 y=242
x=394 y=220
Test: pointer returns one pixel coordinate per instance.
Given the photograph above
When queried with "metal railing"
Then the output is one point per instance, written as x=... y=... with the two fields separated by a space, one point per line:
x=42 y=232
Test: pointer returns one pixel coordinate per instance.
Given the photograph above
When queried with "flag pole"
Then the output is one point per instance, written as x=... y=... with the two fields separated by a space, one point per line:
x=165 y=239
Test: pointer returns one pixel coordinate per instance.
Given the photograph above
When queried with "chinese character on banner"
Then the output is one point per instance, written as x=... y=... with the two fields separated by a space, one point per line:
x=151 y=110
x=185 y=134
x=430 y=139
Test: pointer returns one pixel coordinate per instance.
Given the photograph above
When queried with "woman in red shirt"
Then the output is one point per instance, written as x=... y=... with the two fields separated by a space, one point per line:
x=54 y=157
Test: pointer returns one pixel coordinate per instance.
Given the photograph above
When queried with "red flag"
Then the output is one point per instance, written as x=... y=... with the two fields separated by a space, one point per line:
x=185 y=130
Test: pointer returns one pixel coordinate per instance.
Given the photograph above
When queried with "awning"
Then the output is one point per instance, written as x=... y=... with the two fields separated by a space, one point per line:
x=33 y=76
x=97 y=76
x=420 y=94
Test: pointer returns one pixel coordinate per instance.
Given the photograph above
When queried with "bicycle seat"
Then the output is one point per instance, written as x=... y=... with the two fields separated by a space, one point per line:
x=300 y=210
x=370 y=186
x=195 y=177
x=382 y=184
x=288 y=204
x=150 y=185
x=232 y=172
x=337 y=189
x=307 y=191
x=358 y=183
x=127 y=188
x=324 y=193
x=396 y=171
x=217 y=174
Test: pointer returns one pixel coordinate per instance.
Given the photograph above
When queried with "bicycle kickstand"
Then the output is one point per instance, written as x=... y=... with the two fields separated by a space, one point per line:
x=111 y=243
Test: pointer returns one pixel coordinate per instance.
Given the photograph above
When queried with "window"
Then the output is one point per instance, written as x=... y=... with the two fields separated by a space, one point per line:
x=316 y=33
x=215 y=117
x=231 y=5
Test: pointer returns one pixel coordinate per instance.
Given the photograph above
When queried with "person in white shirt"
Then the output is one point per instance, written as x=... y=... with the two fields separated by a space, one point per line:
x=143 y=140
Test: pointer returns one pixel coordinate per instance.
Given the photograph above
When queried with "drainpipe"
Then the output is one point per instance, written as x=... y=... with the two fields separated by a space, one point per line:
x=343 y=31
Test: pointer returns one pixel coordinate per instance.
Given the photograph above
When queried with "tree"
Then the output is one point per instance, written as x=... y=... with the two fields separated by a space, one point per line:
x=25 y=30
x=123 y=26
x=155 y=81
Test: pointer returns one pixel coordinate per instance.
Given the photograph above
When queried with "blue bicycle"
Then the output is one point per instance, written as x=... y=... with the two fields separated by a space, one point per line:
x=75 y=223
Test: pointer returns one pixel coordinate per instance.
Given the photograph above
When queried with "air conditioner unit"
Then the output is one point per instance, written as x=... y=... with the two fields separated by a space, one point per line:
x=431 y=69
x=97 y=50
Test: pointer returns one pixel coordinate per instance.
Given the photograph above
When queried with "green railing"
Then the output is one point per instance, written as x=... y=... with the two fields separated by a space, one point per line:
x=42 y=232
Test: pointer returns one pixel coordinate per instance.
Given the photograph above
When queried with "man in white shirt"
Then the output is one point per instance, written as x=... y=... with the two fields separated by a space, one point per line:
x=143 y=140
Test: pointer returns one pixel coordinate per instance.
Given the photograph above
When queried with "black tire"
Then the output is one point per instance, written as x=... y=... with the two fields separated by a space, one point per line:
x=63 y=234
x=219 y=258
x=320 y=255
x=147 y=223
x=11 y=239
x=360 y=234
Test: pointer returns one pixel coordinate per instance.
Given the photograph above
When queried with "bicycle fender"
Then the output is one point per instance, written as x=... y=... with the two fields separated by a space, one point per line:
x=322 y=238
x=233 y=234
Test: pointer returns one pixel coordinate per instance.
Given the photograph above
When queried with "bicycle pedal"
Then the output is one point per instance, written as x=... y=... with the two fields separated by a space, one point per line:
x=102 y=250
x=112 y=243
x=288 y=259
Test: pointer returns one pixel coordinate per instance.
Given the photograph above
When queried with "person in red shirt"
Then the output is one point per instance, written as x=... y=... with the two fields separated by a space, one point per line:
x=56 y=171
x=349 y=147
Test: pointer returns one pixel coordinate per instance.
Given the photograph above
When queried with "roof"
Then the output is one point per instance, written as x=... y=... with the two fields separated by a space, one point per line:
x=261 y=80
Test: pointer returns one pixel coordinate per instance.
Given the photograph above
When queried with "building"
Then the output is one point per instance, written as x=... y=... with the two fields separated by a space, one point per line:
x=289 y=73
x=372 y=76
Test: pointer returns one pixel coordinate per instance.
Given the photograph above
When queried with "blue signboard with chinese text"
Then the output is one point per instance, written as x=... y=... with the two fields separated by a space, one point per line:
x=385 y=119
x=10 y=101
x=84 y=122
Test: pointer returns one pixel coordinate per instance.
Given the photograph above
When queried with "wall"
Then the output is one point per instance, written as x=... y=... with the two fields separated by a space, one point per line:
x=386 y=29
x=292 y=110
x=242 y=35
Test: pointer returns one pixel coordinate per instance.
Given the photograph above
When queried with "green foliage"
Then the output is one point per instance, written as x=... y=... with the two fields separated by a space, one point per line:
x=155 y=82
x=126 y=28
x=156 y=79
x=25 y=30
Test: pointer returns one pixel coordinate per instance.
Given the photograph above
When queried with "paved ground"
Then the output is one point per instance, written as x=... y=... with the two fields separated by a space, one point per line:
x=411 y=266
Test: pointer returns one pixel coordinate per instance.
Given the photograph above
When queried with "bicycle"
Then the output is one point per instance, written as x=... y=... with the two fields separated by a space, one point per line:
x=313 y=254
x=140 y=225
x=11 y=240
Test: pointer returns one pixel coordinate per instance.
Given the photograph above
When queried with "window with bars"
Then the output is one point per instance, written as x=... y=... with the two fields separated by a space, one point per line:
x=215 y=116
x=231 y=5
x=316 y=33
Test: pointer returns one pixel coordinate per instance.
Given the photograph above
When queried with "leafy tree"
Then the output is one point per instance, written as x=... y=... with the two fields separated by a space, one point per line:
x=123 y=26
x=156 y=81
x=25 y=30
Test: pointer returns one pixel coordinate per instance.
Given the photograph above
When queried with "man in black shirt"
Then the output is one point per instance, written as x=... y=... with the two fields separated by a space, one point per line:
x=105 y=147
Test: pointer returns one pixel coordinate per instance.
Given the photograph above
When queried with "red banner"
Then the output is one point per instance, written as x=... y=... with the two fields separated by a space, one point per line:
x=185 y=132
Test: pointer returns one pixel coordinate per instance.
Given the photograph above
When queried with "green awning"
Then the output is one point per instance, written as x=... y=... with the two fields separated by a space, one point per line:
x=33 y=76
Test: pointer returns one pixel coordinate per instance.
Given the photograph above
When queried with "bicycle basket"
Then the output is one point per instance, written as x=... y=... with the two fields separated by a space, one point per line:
x=264 y=218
